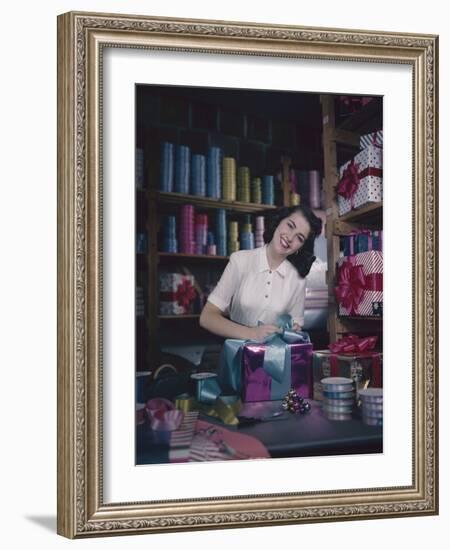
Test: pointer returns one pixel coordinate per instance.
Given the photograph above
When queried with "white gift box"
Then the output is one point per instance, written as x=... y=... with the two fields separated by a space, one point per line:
x=172 y=290
x=369 y=163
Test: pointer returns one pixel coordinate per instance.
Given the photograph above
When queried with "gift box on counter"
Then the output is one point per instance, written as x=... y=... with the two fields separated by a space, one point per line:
x=359 y=289
x=360 y=180
x=259 y=385
x=374 y=138
x=350 y=357
x=362 y=241
x=176 y=293
x=266 y=371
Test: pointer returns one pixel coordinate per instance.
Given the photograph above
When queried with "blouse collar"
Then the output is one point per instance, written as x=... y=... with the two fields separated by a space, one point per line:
x=264 y=264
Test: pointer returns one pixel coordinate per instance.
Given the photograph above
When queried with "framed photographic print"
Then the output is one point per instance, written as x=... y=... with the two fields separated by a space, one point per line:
x=247 y=289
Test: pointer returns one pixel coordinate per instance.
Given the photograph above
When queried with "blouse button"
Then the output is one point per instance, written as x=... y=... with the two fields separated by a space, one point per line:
x=267 y=295
x=268 y=282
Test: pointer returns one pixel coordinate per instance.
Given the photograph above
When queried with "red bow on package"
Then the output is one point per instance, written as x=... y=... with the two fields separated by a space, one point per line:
x=349 y=182
x=351 y=285
x=353 y=344
x=185 y=293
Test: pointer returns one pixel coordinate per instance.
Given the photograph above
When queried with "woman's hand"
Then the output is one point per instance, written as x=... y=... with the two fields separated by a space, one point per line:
x=296 y=327
x=260 y=332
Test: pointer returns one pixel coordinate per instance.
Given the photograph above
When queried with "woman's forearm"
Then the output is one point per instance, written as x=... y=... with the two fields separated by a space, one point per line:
x=220 y=325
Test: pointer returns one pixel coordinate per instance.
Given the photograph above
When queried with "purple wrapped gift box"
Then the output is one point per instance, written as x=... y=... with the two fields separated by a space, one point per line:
x=257 y=385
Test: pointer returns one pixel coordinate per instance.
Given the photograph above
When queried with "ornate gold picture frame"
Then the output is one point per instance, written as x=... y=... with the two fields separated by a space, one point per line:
x=83 y=39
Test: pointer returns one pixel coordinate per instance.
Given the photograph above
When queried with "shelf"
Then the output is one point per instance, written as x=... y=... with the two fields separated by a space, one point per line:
x=201 y=257
x=369 y=118
x=206 y=202
x=369 y=214
x=360 y=318
x=187 y=316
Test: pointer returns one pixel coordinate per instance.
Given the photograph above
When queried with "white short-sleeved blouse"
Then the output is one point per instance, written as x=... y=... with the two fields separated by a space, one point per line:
x=249 y=291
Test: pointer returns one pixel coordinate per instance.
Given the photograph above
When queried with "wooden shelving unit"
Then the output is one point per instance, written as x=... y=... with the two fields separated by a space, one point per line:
x=206 y=202
x=269 y=135
x=346 y=134
x=200 y=257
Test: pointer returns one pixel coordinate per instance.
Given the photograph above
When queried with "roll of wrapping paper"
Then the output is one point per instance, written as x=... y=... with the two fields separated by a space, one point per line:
x=259 y=231
x=182 y=168
x=166 y=180
x=198 y=175
x=256 y=191
x=233 y=242
x=243 y=191
x=170 y=242
x=314 y=189
x=214 y=172
x=186 y=229
x=247 y=240
x=184 y=402
x=295 y=199
x=221 y=232
x=201 y=233
x=268 y=190
x=229 y=179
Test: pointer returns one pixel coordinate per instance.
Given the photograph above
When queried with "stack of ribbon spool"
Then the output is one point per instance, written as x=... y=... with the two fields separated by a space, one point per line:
x=244 y=184
x=213 y=172
x=268 y=190
x=233 y=242
x=182 y=168
x=229 y=179
x=170 y=243
x=247 y=237
x=139 y=161
x=372 y=406
x=221 y=232
x=201 y=233
x=259 y=231
x=198 y=175
x=166 y=167
x=187 y=243
x=256 y=191
x=211 y=248
x=338 y=398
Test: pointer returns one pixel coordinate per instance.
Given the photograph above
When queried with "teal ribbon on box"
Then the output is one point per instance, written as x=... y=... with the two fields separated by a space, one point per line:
x=277 y=357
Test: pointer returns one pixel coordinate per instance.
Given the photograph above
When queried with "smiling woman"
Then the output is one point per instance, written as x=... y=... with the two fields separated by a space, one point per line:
x=259 y=285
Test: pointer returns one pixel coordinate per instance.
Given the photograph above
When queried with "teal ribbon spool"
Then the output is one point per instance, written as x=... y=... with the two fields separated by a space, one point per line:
x=277 y=357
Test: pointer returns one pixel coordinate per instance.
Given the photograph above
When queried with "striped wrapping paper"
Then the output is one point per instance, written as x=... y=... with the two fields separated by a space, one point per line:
x=181 y=439
x=370 y=188
x=372 y=263
x=374 y=138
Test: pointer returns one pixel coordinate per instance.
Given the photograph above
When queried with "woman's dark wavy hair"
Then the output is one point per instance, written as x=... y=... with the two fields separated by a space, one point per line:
x=305 y=257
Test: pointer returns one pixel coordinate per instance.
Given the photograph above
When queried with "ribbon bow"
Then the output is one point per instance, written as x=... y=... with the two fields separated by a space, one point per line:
x=353 y=344
x=185 y=293
x=349 y=182
x=163 y=415
x=277 y=356
x=351 y=285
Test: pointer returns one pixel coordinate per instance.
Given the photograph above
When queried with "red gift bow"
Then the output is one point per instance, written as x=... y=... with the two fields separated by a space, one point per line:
x=349 y=182
x=351 y=285
x=353 y=344
x=185 y=293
